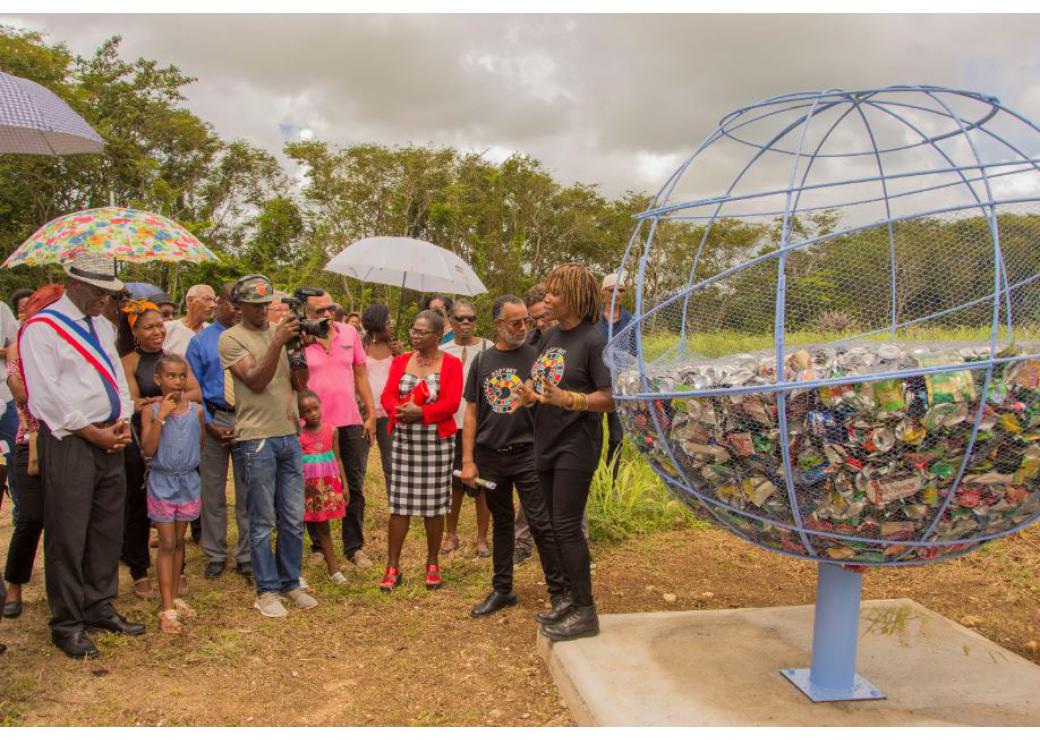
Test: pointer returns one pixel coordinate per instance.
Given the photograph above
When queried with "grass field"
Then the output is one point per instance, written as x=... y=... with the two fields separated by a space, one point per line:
x=417 y=658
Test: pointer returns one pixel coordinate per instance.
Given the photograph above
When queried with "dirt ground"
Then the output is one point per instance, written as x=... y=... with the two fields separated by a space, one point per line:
x=416 y=657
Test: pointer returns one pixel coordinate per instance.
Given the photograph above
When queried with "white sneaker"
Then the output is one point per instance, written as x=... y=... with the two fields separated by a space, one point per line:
x=303 y=583
x=301 y=598
x=338 y=577
x=270 y=605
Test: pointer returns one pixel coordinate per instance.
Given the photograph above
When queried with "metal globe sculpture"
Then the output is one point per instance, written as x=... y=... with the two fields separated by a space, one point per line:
x=833 y=351
x=884 y=250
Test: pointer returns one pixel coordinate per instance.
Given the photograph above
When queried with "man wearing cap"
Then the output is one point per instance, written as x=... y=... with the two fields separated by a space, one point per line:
x=166 y=305
x=267 y=448
x=77 y=389
x=204 y=358
x=614 y=319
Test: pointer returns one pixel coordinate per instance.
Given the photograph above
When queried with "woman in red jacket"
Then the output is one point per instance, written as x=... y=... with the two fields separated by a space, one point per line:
x=421 y=395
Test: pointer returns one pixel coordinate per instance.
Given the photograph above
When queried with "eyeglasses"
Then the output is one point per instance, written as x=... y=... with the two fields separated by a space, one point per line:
x=532 y=318
x=419 y=332
x=469 y=319
x=324 y=309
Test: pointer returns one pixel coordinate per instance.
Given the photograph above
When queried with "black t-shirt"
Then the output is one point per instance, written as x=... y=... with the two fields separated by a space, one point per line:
x=573 y=360
x=493 y=383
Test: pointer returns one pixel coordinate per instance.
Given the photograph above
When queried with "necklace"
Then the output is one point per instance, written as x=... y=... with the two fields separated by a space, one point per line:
x=421 y=362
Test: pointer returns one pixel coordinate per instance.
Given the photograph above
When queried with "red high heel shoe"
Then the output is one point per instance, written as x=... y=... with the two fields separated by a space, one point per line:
x=391 y=580
x=433 y=577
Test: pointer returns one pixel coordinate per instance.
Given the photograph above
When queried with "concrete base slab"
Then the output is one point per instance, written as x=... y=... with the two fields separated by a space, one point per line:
x=723 y=667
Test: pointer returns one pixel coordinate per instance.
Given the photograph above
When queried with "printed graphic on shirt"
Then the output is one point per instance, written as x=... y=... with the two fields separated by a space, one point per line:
x=502 y=390
x=548 y=368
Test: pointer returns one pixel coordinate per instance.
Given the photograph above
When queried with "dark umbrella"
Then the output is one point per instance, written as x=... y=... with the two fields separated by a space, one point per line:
x=33 y=120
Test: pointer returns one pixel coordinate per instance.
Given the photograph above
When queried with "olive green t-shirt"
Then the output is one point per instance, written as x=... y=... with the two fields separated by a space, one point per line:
x=273 y=411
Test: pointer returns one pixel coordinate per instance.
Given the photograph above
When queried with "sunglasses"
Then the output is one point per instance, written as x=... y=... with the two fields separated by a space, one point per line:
x=466 y=319
x=514 y=323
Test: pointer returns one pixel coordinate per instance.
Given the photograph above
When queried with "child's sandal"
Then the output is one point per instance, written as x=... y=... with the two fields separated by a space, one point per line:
x=169 y=622
x=183 y=610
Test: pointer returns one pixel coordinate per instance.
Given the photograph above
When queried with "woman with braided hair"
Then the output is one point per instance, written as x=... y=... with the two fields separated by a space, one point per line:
x=570 y=385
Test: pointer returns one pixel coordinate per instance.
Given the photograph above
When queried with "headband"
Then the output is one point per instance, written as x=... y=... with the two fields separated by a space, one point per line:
x=134 y=309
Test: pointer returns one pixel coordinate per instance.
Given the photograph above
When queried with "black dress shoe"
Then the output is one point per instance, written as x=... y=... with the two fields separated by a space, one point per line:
x=493 y=603
x=214 y=569
x=245 y=570
x=562 y=605
x=118 y=623
x=521 y=554
x=581 y=622
x=77 y=645
x=3 y=648
x=13 y=609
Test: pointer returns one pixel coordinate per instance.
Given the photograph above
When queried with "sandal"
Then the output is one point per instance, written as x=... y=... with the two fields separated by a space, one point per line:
x=455 y=545
x=182 y=585
x=183 y=610
x=433 y=577
x=391 y=580
x=169 y=622
x=143 y=588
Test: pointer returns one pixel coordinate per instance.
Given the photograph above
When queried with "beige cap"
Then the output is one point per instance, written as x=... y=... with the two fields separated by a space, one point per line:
x=609 y=281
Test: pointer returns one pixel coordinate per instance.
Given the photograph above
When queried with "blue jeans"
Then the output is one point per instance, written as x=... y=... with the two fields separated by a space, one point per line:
x=272 y=470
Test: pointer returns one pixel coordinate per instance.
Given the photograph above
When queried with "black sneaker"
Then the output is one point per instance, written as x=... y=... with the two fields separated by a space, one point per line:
x=214 y=570
x=562 y=605
x=581 y=622
x=521 y=554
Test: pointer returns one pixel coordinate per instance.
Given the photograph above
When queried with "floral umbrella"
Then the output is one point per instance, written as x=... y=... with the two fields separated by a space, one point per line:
x=122 y=233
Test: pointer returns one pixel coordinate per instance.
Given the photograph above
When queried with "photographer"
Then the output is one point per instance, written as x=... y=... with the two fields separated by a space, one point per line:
x=337 y=368
x=267 y=448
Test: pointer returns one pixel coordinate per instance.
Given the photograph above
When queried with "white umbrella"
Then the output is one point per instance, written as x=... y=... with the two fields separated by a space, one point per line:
x=33 y=120
x=407 y=263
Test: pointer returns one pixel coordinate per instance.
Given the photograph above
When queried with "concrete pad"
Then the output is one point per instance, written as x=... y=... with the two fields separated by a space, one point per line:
x=722 y=667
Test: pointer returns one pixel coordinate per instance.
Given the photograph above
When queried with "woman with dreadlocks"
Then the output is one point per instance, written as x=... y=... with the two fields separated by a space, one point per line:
x=570 y=384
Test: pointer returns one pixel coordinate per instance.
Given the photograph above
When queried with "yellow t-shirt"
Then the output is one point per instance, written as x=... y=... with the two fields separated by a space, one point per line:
x=273 y=411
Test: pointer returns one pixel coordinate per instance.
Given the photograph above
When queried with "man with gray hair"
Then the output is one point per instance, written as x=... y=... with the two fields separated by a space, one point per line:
x=201 y=302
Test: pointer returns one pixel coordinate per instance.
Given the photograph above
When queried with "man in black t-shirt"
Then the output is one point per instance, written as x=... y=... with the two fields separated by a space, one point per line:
x=498 y=446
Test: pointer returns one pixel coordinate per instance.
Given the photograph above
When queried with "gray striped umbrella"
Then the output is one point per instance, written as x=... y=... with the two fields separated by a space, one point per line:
x=33 y=120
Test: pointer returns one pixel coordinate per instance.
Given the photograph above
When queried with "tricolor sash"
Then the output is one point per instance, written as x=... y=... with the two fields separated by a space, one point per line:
x=88 y=346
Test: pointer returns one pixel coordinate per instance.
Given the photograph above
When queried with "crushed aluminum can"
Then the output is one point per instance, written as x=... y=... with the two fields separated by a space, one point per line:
x=824 y=425
x=881 y=491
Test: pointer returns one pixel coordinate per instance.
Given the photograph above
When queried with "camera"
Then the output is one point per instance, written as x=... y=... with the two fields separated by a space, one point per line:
x=308 y=327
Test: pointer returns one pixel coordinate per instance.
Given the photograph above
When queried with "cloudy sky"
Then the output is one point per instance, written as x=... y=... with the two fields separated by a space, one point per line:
x=613 y=100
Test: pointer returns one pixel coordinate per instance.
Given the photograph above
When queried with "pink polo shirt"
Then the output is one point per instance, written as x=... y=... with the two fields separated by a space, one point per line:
x=332 y=375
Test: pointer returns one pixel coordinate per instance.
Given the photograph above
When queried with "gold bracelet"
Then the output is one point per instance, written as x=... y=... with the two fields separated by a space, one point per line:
x=570 y=401
x=584 y=402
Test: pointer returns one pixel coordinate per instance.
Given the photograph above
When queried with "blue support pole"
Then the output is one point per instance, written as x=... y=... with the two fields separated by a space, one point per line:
x=832 y=676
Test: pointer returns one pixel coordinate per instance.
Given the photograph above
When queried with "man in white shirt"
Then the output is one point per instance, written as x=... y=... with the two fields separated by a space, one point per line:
x=201 y=302
x=78 y=391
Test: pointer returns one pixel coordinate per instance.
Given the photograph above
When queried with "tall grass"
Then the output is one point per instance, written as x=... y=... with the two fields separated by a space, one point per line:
x=723 y=343
x=636 y=503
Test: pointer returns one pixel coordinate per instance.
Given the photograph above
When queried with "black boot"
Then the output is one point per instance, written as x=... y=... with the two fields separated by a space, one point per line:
x=562 y=605
x=581 y=622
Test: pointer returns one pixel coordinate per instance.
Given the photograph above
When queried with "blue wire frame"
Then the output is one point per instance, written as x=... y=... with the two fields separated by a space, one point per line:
x=805 y=106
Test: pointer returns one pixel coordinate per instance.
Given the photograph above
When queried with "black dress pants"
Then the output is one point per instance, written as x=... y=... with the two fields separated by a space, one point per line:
x=84 y=494
x=566 y=493
x=615 y=436
x=28 y=524
x=137 y=525
x=515 y=468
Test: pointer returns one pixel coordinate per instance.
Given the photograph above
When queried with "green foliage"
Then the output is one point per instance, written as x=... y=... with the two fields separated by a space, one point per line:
x=636 y=503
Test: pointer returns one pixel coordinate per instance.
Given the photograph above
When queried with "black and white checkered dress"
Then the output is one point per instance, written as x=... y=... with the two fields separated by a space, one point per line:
x=420 y=469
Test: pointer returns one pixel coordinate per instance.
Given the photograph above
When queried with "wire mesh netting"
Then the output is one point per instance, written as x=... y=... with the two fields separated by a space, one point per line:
x=835 y=347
